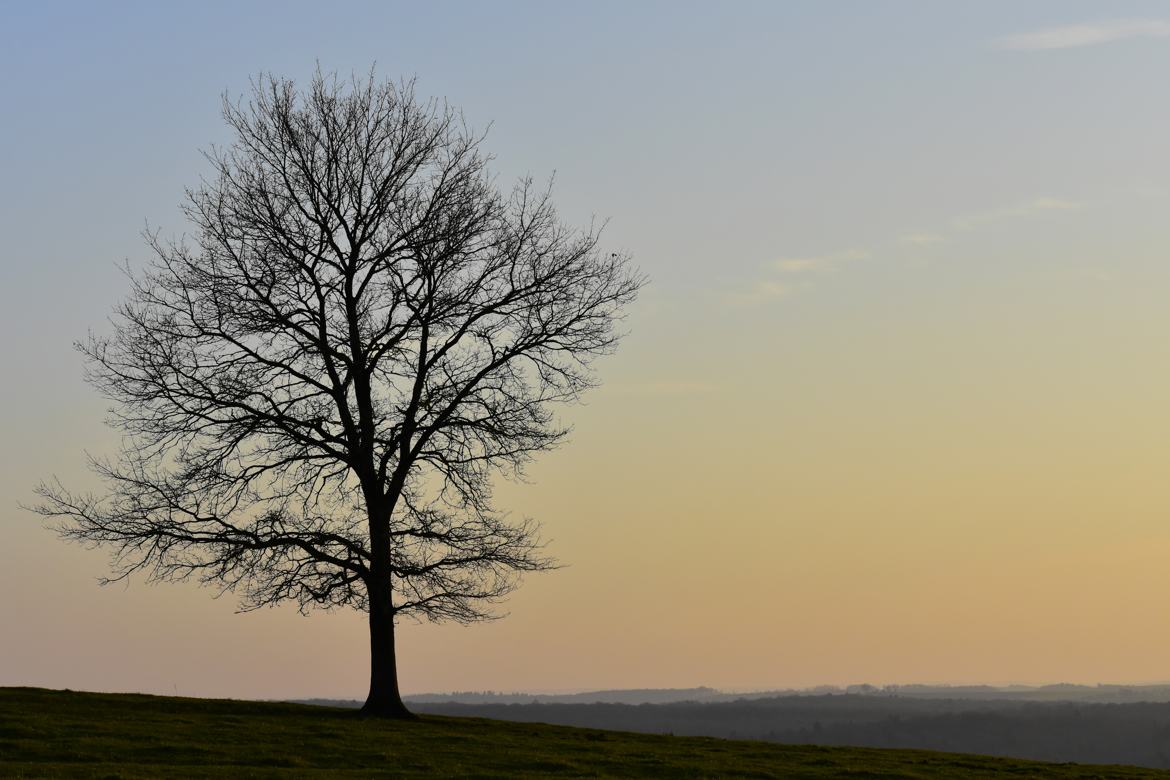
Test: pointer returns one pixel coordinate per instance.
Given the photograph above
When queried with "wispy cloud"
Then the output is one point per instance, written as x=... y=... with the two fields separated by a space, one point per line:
x=764 y=291
x=1093 y=34
x=779 y=282
x=800 y=265
x=921 y=239
x=788 y=274
x=1027 y=209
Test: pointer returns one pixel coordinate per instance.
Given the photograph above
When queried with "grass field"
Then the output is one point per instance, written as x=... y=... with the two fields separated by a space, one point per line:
x=67 y=734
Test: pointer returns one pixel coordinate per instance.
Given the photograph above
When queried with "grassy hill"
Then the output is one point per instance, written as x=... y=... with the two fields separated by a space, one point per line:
x=67 y=734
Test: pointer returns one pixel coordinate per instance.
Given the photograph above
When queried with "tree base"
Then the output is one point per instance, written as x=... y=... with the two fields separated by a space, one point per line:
x=390 y=710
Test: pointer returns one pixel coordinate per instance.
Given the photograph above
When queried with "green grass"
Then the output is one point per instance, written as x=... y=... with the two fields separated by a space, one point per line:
x=67 y=734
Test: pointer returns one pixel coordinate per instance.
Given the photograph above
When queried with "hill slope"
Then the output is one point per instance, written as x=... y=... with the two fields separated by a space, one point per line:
x=67 y=734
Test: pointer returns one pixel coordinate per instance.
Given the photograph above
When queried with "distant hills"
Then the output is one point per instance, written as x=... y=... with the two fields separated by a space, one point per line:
x=1059 y=692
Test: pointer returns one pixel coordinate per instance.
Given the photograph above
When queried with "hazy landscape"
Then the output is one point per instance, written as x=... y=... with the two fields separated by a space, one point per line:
x=1136 y=734
x=1104 y=724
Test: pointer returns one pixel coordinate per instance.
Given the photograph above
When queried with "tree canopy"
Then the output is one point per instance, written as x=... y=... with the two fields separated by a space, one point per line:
x=318 y=387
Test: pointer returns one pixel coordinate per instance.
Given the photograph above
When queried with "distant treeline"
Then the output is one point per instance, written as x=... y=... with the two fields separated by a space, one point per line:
x=1063 y=692
x=1116 y=694
x=622 y=696
x=1136 y=733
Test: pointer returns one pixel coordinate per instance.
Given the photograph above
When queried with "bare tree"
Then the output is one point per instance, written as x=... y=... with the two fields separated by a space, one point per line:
x=318 y=388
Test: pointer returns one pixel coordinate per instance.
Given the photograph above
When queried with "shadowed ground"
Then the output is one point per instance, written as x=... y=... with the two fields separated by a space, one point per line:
x=67 y=734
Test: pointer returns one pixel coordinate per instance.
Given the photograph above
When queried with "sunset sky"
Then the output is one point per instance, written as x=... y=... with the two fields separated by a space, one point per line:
x=894 y=407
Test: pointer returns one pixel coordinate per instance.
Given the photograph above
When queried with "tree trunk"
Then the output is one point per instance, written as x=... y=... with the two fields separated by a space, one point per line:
x=384 y=699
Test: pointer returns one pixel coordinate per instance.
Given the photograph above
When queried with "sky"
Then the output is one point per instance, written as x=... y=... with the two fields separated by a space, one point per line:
x=892 y=409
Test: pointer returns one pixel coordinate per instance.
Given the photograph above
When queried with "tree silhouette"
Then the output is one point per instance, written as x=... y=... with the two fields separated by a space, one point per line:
x=317 y=394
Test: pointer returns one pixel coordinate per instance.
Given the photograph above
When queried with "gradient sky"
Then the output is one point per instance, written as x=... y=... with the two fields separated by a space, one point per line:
x=895 y=407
